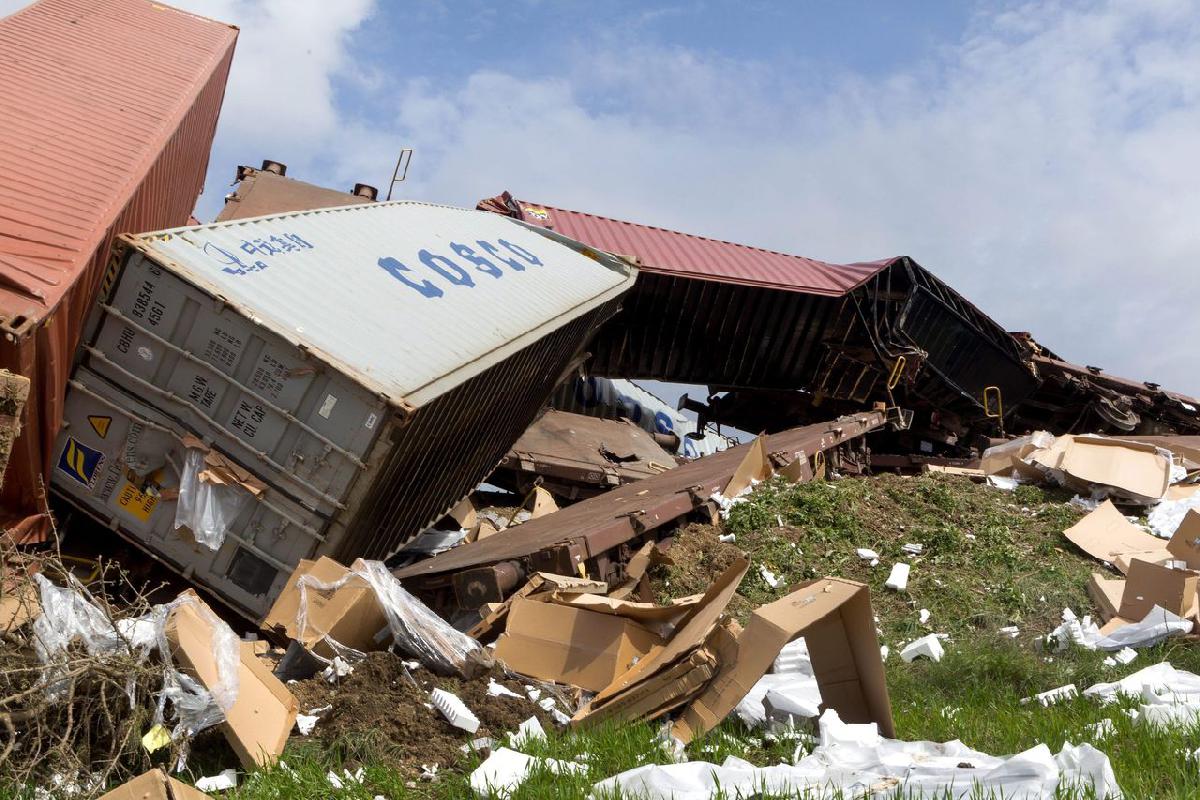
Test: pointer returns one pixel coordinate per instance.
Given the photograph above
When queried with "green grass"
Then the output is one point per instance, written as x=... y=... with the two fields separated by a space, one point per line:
x=972 y=587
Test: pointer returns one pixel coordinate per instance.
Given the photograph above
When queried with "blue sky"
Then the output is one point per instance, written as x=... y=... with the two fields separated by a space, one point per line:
x=1039 y=156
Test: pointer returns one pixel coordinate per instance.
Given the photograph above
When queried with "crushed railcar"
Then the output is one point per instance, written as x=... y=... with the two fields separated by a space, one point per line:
x=781 y=340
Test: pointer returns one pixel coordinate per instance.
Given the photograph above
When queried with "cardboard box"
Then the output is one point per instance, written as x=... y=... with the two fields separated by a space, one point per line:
x=1136 y=468
x=1105 y=534
x=692 y=632
x=1106 y=593
x=261 y=719
x=571 y=645
x=349 y=615
x=661 y=694
x=155 y=785
x=1149 y=585
x=834 y=617
x=1185 y=544
x=755 y=466
x=540 y=583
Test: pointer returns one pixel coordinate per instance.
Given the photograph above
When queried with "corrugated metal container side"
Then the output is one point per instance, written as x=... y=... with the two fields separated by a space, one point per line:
x=368 y=364
x=119 y=100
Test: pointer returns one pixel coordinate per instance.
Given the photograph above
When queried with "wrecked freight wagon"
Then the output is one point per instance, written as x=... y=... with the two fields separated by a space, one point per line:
x=254 y=393
x=813 y=340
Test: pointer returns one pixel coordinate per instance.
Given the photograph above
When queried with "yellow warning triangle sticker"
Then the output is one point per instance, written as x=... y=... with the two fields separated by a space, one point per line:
x=100 y=425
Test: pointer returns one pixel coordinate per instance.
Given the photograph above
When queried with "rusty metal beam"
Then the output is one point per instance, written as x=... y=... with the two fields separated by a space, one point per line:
x=587 y=532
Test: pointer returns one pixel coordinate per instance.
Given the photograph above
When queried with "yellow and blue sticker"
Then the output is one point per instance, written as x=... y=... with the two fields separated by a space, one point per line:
x=80 y=462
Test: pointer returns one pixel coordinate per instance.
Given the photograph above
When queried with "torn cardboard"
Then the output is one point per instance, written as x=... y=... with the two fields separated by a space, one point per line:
x=755 y=467
x=540 y=503
x=693 y=631
x=1185 y=543
x=1149 y=585
x=1009 y=459
x=648 y=555
x=582 y=648
x=540 y=583
x=1105 y=534
x=1140 y=471
x=660 y=619
x=350 y=615
x=835 y=619
x=260 y=720
x=154 y=785
x=1106 y=593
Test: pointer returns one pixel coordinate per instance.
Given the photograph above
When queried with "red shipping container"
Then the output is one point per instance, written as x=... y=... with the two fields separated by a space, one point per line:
x=107 y=116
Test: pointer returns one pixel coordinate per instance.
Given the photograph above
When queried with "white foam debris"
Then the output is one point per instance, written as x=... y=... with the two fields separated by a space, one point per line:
x=1012 y=631
x=454 y=710
x=913 y=548
x=505 y=770
x=770 y=578
x=529 y=731
x=898 y=579
x=1049 y=698
x=221 y=782
x=867 y=554
x=923 y=615
x=926 y=647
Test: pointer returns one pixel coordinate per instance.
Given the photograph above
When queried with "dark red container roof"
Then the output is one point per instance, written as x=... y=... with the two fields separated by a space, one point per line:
x=687 y=255
x=90 y=93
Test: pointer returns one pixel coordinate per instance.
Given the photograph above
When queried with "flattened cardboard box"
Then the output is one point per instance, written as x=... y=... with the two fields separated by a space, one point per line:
x=1105 y=534
x=258 y=724
x=349 y=615
x=1133 y=467
x=155 y=785
x=1185 y=544
x=1149 y=585
x=834 y=616
x=571 y=645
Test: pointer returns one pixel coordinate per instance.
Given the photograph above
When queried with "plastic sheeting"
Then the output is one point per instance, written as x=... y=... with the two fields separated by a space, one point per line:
x=1156 y=626
x=866 y=764
x=69 y=616
x=418 y=632
x=206 y=507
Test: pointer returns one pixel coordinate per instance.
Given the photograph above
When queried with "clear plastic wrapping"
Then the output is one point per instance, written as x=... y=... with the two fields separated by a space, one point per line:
x=418 y=632
x=206 y=507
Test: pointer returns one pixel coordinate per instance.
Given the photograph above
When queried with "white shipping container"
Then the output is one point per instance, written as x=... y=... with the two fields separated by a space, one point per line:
x=368 y=365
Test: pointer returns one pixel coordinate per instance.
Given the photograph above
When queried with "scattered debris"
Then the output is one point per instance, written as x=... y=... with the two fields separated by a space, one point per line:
x=504 y=770
x=898 y=578
x=926 y=647
x=454 y=710
x=224 y=781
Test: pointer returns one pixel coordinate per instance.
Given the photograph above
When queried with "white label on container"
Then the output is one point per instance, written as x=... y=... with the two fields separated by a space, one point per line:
x=327 y=407
x=371 y=420
x=146 y=353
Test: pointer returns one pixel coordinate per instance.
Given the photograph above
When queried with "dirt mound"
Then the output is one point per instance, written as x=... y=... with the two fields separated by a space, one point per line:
x=382 y=711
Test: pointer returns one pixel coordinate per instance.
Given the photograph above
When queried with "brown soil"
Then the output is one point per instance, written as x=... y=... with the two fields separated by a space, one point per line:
x=698 y=556
x=378 y=711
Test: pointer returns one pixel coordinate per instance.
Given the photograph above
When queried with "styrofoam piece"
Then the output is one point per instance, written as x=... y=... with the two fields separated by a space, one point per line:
x=727 y=537
x=927 y=646
x=478 y=745
x=495 y=689
x=793 y=657
x=1125 y=655
x=529 y=731
x=898 y=579
x=546 y=703
x=923 y=616
x=866 y=554
x=884 y=651
x=505 y=770
x=1049 y=698
x=1012 y=631
x=1100 y=730
x=305 y=723
x=770 y=578
x=800 y=687
x=345 y=779
x=454 y=710
x=221 y=782
x=832 y=731
x=913 y=548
